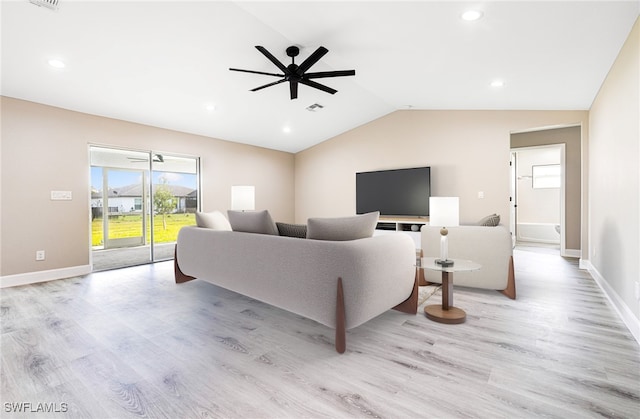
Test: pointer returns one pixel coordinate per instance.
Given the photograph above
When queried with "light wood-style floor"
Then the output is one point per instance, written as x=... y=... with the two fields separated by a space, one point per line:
x=131 y=343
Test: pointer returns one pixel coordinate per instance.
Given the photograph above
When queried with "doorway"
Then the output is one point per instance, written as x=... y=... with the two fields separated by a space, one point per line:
x=139 y=202
x=538 y=197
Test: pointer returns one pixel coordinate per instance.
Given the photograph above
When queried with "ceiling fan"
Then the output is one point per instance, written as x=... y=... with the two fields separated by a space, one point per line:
x=297 y=74
x=157 y=158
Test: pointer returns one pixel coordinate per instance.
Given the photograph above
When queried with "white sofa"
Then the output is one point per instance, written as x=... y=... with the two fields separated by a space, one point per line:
x=340 y=284
x=491 y=247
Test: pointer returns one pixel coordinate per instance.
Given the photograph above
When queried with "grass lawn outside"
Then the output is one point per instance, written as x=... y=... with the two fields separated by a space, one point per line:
x=124 y=226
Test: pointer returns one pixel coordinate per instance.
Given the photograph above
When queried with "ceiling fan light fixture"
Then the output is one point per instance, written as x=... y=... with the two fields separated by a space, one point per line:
x=472 y=15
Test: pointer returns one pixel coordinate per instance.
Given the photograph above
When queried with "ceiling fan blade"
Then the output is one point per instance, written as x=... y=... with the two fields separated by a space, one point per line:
x=256 y=72
x=322 y=74
x=268 y=85
x=312 y=59
x=319 y=86
x=273 y=59
x=293 y=88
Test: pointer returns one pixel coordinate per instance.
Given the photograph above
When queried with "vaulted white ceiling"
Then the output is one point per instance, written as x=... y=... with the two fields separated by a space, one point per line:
x=161 y=63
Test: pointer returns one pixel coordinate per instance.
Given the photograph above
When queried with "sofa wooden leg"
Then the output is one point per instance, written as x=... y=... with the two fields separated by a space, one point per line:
x=510 y=291
x=420 y=272
x=179 y=276
x=410 y=305
x=341 y=333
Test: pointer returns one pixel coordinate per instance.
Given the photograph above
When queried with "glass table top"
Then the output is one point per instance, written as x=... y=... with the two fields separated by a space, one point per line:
x=459 y=265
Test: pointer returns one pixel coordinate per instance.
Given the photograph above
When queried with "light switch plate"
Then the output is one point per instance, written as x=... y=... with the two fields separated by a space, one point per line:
x=61 y=196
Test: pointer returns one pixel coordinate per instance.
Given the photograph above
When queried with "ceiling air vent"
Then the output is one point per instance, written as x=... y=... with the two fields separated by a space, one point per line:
x=314 y=107
x=49 y=4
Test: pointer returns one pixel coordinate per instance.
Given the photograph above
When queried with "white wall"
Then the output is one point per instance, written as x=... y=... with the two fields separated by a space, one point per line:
x=614 y=181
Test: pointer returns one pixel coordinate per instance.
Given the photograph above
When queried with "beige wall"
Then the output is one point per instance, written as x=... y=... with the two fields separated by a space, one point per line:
x=46 y=148
x=614 y=175
x=572 y=138
x=468 y=152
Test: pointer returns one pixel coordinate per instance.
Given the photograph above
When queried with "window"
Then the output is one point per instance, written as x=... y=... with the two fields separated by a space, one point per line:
x=546 y=176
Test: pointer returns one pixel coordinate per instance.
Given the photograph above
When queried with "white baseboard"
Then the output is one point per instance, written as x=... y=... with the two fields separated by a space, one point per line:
x=584 y=264
x=628 y=318
x=43 y=276
x=572 y=253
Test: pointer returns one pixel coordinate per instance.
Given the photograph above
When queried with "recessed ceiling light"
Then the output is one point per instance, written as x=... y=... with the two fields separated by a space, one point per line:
x=471 y=15
x=286 y=130
x=210 y=107
x=497 y=83
x=56 y=63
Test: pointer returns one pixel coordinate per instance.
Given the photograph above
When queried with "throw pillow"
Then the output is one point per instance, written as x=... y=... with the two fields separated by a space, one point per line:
x=252 y=222
x=490 y=220
x=215 y=220
x=344 y=228
x=292 y=230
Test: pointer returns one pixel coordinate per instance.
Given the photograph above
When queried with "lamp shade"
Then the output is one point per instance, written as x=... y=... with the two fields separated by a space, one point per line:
x=444 y=211
x=243 y=198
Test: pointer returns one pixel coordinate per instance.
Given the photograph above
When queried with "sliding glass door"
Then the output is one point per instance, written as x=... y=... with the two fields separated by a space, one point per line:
x=174 y=192
x=139 y=202
x=123 y=199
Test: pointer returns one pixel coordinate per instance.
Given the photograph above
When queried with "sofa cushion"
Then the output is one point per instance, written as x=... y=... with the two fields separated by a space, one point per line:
x=343 y=228
x=292 y=230
x=490 y=220
x=252 y=222
x=214 y=219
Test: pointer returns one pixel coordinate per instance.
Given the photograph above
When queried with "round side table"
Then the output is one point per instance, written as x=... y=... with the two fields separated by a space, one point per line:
x=446 y=312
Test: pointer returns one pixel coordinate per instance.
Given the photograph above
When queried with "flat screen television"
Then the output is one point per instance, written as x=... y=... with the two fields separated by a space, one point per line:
x=399 y=192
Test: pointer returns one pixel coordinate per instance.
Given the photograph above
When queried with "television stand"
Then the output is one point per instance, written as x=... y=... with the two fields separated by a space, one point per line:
x=408 y=225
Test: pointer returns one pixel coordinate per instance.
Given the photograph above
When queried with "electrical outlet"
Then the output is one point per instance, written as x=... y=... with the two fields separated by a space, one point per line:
x=40 y=255
x=480 y=195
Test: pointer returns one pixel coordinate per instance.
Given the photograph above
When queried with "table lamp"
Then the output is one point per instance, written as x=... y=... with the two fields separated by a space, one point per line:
x=444 y=212
x=243 y=198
